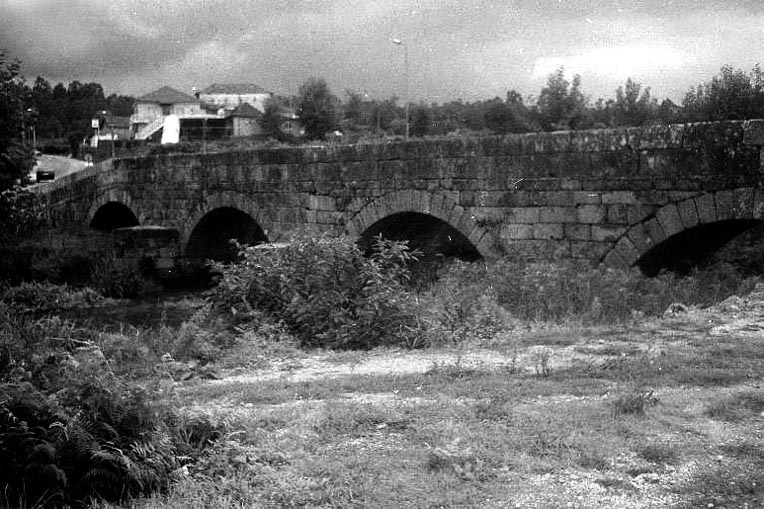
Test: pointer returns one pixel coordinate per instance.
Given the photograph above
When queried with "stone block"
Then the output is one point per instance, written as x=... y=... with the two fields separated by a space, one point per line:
x=590 y=214
x=424 y=202
x=558 y=198
x=557 y=214
x=706 y=207
x=490 y=216
x=640 y=237
x=688 y=213
x=725 y=205
x=523 y=214
x=638 y=213
x=655 y=231
x=476 y=236
x=516 y=231
x=328 y=217
x=621 y=197
x=617 y=213
x=487 y=247
x=467 y=223
x=318 y=202
x=456 y=215
x=606 y=233
x=628 y=252
x=586 y=198
x=577 y=232
x=670 y=220
x=549 y=231
x=743 y=203
x=568 y=184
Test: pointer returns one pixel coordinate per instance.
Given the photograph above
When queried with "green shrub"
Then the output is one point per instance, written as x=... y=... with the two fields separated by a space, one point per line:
x=325 y=290
x=737 y=407
x=45 y=297
x=22 y=212
x=71 y=430
x=570 y=291
x=121 y=277
x=460 y=306
x=633 y=401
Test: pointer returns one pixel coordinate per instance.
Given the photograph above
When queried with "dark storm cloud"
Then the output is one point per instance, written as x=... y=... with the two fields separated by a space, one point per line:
x=456 y=48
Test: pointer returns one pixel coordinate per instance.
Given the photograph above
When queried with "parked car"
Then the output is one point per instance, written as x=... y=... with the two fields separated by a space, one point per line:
x=45 y=175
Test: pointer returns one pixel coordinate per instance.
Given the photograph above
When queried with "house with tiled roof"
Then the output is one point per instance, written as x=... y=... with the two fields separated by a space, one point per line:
x=151 y=110
x=231 y=96
x=245 y=121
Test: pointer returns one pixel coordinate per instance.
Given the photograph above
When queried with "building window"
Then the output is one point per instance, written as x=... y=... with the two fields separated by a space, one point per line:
x=166 y=109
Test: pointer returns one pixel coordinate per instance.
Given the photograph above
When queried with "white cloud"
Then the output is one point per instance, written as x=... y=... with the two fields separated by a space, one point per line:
x=617 y=62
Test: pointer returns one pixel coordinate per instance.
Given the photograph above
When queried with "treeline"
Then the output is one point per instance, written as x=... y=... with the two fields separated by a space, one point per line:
x=63 y=112
x=561 y=105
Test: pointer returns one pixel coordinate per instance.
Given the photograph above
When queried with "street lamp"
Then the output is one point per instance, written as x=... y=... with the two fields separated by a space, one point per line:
x=399 y=42
x=31 y=112
x=107 y=119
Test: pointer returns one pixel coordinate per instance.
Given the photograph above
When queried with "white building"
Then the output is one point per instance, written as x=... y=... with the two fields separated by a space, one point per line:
x=231 y=96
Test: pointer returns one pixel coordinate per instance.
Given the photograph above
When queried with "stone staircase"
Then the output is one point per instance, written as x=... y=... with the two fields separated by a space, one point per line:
x=150 y=128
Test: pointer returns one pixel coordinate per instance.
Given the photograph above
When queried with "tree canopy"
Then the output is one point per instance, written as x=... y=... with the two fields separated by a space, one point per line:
x=16 y=160
x=317 y=108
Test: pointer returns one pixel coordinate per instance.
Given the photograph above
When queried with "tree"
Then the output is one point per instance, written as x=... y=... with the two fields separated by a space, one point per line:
x=352 y=109
x=420 y=123
x=271 y=121
x=561 y=105
x=633 y=106
x=16 y=160
x=732 y=95
x=316 y=107
x=120 y=105
x=511 y=116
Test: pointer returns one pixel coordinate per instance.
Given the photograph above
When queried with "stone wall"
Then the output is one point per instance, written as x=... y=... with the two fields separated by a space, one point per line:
x=596 y=195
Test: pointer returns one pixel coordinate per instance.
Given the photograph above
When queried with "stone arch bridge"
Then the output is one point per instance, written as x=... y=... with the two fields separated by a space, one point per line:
x=621 y=197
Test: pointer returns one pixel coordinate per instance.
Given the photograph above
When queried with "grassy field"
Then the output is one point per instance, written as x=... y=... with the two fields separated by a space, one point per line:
x=665 y=413
x=499 y=386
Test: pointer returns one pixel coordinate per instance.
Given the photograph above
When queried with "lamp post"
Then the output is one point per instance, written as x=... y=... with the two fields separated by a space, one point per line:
x=32 y=114
x=400 y=42
x=107 y=119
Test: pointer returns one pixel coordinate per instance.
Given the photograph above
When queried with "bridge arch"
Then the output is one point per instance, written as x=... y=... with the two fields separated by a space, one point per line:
x=689 y=229
x=112 y=209
x=223 y=216
x=422 y=210
x=211 y=237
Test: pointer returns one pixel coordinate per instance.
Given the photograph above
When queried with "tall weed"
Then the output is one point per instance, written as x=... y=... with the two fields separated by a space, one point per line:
x=121 y=277
x=325 y=290
x=71 y=429
x=568 y=291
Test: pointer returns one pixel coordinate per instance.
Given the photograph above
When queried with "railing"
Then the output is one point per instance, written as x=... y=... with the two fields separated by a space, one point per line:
x=150 y=128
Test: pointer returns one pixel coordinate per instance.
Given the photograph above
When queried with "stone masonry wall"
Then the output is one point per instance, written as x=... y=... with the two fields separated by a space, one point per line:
x=542 y=195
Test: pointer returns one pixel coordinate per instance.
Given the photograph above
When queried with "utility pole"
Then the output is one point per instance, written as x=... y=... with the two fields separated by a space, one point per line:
x=400 y=42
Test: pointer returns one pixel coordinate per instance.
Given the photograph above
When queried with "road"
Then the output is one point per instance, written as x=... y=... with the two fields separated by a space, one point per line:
x=61 y=166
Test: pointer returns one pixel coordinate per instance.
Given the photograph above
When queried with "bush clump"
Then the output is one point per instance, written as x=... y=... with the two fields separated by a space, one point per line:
x=71 y=430
x=45 y=297
x=569 y=291
x=325 y=291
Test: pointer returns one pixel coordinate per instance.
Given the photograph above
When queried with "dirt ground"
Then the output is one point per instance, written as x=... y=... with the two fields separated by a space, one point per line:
x=736 y=317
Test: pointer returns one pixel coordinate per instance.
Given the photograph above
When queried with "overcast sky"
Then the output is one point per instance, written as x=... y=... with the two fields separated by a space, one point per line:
x=468 y=49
